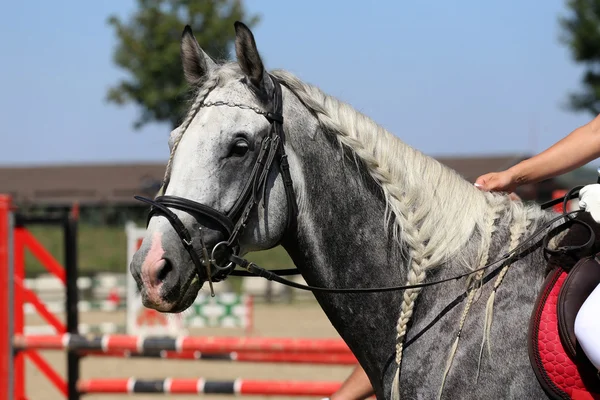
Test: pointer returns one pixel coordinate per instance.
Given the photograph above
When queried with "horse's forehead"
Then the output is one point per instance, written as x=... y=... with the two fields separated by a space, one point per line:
x=214 y=121
x=233 y=91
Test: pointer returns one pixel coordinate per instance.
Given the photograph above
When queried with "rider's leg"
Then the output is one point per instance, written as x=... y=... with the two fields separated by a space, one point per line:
x=356 y=387
x=587 y=327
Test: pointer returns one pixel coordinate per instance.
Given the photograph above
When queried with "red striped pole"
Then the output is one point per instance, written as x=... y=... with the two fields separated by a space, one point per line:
x=297 y=358
x=194 y=386
x=6 y=318
x=209 y=344
x=262 y=357
x=19 y=313
x=30 y=297
x=44 y=256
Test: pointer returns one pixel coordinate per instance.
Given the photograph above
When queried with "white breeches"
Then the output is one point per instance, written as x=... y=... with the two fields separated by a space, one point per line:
x=587 y=327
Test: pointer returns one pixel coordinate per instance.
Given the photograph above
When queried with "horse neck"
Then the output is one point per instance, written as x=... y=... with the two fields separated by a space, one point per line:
x=341 y=241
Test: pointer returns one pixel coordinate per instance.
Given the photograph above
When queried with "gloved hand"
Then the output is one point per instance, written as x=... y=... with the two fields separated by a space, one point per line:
x=589 y=200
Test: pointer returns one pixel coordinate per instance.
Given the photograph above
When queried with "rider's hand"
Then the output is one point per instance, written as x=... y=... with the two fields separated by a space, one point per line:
x=589 y=200
x=496 y=182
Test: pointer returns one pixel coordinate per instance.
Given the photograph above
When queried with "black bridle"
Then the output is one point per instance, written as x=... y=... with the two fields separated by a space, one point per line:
x=234 y=221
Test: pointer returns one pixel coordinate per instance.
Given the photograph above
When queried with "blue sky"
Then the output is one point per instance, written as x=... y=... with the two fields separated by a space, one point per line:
x=467 y=78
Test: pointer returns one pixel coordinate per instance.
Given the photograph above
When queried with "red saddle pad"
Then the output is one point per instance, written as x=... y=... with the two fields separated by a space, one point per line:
x=556 y=372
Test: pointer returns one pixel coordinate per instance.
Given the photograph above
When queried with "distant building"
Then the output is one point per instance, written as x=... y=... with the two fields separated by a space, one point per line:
x=104 y=193
x=110 y=184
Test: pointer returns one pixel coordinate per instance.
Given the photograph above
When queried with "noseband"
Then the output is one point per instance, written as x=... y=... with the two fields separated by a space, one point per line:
x=232 y=222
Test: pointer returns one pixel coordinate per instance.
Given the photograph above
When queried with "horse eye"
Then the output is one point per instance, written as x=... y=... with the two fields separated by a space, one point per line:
x=240 y=148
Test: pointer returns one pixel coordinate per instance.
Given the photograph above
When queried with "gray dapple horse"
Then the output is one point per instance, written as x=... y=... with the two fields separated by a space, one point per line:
x=368 y=211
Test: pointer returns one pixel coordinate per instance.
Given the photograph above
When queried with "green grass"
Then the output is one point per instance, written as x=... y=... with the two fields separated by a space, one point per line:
x=100 y=249
x=104 y=249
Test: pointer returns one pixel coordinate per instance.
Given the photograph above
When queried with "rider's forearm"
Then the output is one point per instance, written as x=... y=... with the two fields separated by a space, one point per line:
x=575 y=150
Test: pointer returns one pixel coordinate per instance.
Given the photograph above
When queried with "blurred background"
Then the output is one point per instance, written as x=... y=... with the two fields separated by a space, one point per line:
x=91 y=90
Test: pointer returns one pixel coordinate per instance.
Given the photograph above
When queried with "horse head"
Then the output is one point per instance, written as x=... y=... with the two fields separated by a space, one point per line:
x=227 y=188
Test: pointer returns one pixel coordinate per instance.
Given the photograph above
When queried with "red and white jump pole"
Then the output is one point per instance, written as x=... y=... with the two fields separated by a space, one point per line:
x=7 y=371
x=202 y=386
x=14 y=241
x=208 y=344
x=242 y=356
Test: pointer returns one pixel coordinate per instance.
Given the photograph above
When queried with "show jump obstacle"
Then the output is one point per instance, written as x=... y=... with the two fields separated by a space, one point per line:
x=16 y=347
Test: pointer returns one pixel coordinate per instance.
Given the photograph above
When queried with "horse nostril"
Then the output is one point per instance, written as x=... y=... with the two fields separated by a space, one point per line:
x=164 y=271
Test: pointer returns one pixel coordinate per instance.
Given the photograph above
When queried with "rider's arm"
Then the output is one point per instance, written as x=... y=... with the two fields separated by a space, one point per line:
x=575 y=150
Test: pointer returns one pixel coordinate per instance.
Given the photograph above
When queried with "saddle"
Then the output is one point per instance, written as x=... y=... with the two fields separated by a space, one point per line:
x=559 y=363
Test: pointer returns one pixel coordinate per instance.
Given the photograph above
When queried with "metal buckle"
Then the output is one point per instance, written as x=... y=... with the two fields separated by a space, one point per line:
x=207 y=262
x=213 y=259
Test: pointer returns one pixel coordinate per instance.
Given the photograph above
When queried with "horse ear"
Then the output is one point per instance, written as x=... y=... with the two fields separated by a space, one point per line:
x=249 y=59
x=196 y=63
